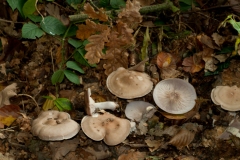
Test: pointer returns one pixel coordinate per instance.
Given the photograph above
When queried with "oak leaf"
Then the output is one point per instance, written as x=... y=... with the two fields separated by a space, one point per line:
x=85 y=31
x=95 y=47
x=89 y=10
x=130 y=14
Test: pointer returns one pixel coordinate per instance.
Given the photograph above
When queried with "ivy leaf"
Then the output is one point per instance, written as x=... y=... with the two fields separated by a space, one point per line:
x=73 y=65
x=63 y=104
x=57 y=77
x=52 y=26
x=71 y=76
x=31 y=31
x=29 y=7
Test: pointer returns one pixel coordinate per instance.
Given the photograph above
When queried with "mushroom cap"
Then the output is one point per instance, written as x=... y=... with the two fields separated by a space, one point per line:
x=135 y=110
x=226 y=96
x=111 y=129
x=174 y=96
x=129 y=84
x=54 y=125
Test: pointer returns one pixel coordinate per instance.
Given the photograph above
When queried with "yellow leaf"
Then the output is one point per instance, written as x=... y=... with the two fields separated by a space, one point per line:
x=49 y=104
x=7 y=120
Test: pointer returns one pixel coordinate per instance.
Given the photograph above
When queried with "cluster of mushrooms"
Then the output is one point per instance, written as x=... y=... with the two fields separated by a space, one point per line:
x=175 y=96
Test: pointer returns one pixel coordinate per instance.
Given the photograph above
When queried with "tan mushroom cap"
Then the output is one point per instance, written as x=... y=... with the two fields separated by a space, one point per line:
x=226 y=96
x=174 y=96
x=54 y=125
x=111 y=129
x=129 y=84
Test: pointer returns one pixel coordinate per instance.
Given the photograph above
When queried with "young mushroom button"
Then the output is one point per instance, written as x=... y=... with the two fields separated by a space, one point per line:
x=175 y=96
x=129 y=84
x=54 y=125
x=226 y=96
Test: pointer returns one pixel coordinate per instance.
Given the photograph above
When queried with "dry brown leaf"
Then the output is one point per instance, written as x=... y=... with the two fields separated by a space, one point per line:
x=164 y=59
x=169 y=72
x=218 y=39
x=89 y=10
x=94 y=48
x=115 y=58
x=8 y=114
x=173 y=116
x=24 y=122
x=130 y=15
x=53 y=10
x=183 y=138
x=153 y=144
x=84 y=31
x=7 y=93
x=208 y=41
x=193 y=63
x=59 y=55
x=133 y=156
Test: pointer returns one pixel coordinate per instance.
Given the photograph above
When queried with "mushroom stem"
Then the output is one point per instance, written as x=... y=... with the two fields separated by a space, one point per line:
x=106 y=105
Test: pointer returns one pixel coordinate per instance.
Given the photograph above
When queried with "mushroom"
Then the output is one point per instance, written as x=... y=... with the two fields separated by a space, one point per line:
x=91 y=105
x=129 y=84
x=138 y=110
x=111 y=129
x=54 y=125
x=226 y=96
x=174 y=96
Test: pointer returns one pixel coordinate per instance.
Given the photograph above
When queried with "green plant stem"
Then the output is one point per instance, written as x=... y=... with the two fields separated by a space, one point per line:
x=144 y=10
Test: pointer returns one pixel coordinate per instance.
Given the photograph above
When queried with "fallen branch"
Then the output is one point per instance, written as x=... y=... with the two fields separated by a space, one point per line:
x=144 y=10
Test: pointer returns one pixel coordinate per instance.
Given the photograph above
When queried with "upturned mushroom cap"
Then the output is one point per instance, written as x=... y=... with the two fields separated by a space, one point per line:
x=54 y=125
x=129 y=84
x=226 y=96
x=135 y=110
x=174 y=96
x=111 y=129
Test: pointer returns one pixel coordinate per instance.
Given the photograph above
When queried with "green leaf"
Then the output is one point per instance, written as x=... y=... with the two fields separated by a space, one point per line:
x=144 y=49
x=17 y=4
x=79 y=57
x=73 y=2
x=71 y=76
x=117 y=3
x=63 y=104
x=48 y=97
x=35 y=18
x=52 y=26
x=72 y=31
x=29 y=7
x=75 y=43
x=57 y=77
x=31 y=31
x=73 y=65
x=104 y=3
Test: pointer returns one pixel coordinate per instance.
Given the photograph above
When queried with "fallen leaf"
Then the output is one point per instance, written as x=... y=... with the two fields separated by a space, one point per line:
x=193 y=63
x=132 y=156
x=95 y=47
x=153 y=145
x=85 y=31
x=8 y=114
x=164 y=59
x=145 y=2
x=208 y=41
x=130 y=14
x=49 y=103
x=89 y=10
x=218 y=39
x=173 y=116
x=183 y=138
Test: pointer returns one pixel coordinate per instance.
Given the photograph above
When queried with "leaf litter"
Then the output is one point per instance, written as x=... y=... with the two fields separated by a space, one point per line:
x=189 y=45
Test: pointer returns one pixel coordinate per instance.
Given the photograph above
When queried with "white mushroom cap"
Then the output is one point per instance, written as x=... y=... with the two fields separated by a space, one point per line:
x=54 y=125
x=129 y=84
x=174 y=96
x=226 y=96
x=136 y=110
x=91 y=105
x=106 y=126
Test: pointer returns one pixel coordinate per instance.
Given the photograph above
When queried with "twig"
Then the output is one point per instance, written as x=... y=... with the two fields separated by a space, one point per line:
x=8 y=21
x=38 y=108
x=144 y=10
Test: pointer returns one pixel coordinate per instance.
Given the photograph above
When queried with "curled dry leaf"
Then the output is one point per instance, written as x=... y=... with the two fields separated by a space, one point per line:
x=94 y=48
x=153 y=144
x=193 y=63
x=164 y=59
x=183 y=138
x=218 y=39
x=130 y=15
x=85 y=31
x=89 y=10
x=208 y=41
x=133 y=156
